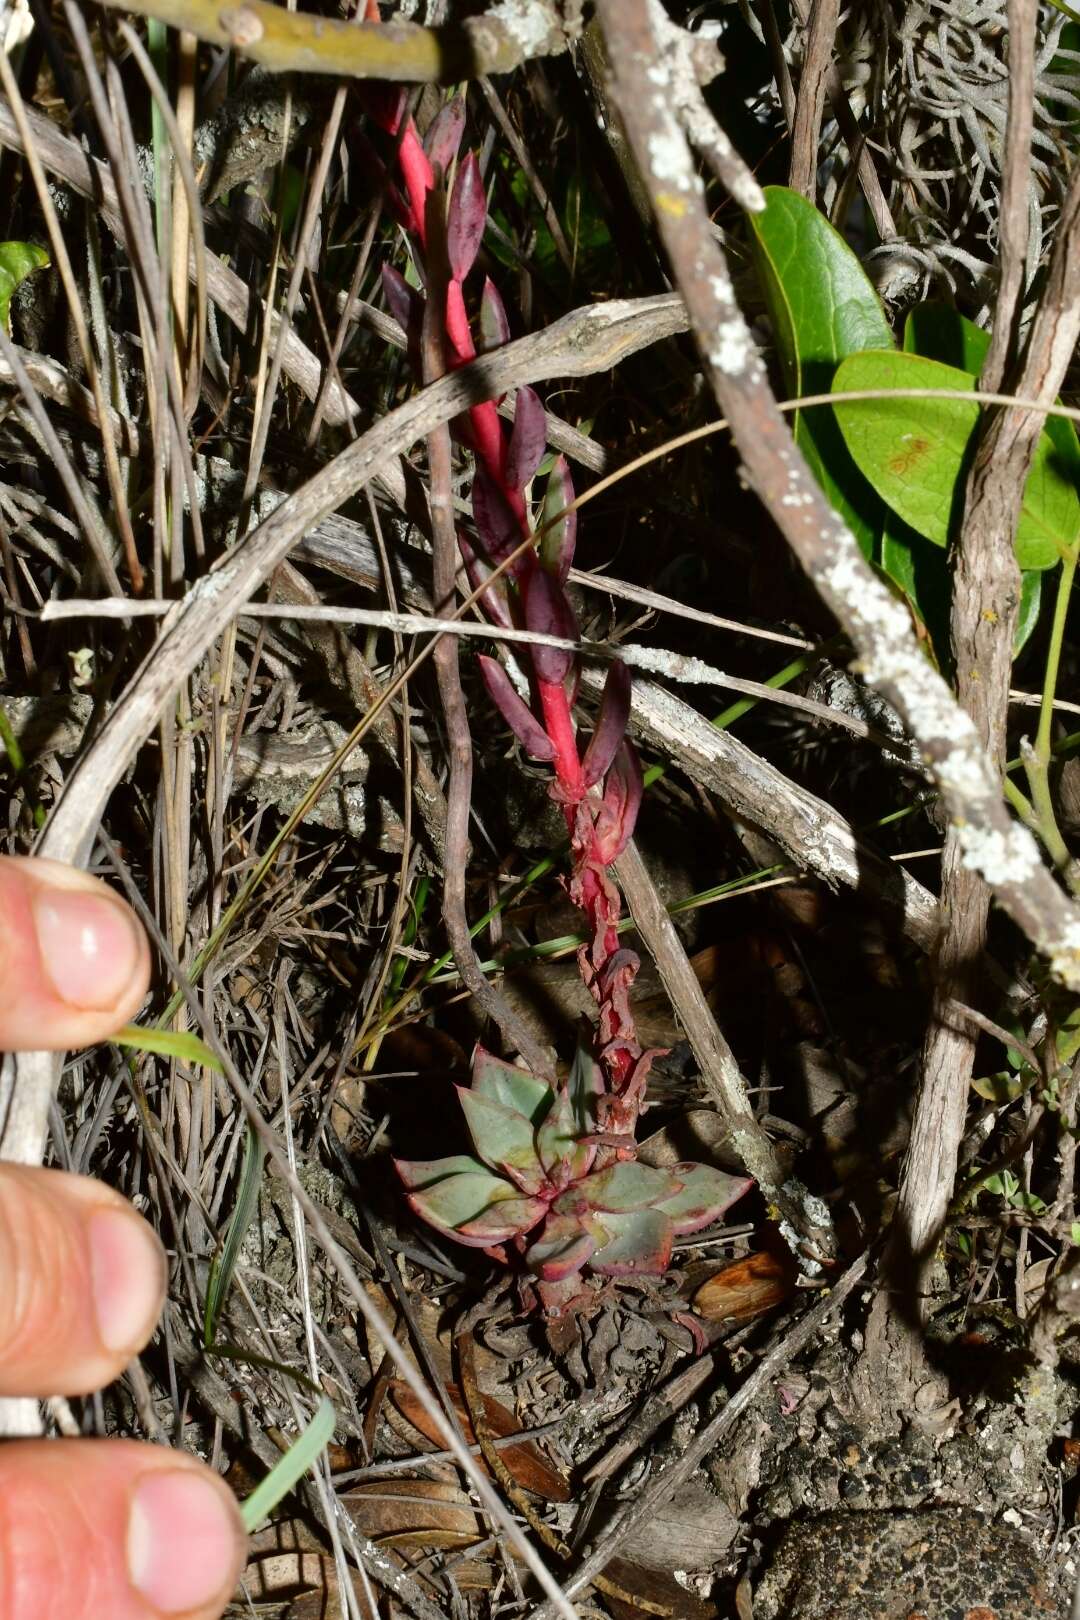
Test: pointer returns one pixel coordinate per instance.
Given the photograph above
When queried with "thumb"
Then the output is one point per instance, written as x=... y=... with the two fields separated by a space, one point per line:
x=74 y=962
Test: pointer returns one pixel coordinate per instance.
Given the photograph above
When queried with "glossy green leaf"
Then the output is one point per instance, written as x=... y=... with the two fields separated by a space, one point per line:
x=940 y=332
x=17 y=261
x=174 y=1043
x=1030 y=603
x=823 y=307
x=915 y=453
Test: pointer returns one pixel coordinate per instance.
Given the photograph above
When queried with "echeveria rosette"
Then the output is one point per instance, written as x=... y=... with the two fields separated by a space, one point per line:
x=534 y=1172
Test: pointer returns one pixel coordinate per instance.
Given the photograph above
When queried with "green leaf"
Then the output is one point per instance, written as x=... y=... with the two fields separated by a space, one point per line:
x=621 y=1187
x=511 y=1086
x=1074 y=1232
x=915 y=453
x=562 y=1248
x=475 y=1206
x=940 y=332
x=173 y=1043
x=17 y=261
x=639 y=1242
x=557 y=1142
x=705 y=1195
x=503 y=1138
x=998 y=1088
x=823 y=307
x=300 y=1456
x=224 y=1264
x=1030 y=603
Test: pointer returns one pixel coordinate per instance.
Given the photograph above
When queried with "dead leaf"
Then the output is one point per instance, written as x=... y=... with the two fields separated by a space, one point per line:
x=407 y=1512
x=526 y=1461
x=744 y=1289
x=656 y=1587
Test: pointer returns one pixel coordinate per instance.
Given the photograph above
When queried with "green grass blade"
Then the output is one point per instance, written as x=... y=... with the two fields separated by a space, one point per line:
x=221 y=1271
x=293 y=1466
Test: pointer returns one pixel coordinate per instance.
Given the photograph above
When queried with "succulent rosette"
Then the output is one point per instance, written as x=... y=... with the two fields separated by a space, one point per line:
x=533 y=1183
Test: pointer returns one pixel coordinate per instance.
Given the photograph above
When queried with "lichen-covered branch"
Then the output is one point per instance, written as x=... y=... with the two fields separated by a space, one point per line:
x=990 y=841
x=508 y=33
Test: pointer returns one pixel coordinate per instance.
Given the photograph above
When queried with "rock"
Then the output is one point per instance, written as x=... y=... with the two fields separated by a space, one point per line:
x=942 y=1565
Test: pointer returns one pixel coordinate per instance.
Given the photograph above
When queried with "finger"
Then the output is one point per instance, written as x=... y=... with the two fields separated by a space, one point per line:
x=95 y=1528
x=82 y=1282
x=74 y=962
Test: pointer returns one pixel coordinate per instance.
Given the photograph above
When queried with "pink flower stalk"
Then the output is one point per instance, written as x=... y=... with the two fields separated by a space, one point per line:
x=600 y=791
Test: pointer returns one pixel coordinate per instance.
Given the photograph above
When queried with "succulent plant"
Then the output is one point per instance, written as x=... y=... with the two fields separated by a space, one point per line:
x=535 y=1183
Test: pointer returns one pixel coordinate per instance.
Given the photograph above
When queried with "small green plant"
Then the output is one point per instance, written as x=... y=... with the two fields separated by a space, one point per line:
x=544 y=1184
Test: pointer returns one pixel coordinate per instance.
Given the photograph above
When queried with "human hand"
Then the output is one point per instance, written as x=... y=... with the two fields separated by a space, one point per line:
x=89 y=1529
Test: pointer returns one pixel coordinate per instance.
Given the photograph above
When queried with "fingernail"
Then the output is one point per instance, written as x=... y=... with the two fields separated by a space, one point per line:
x=181 y=1542
x=127 y=1275
x=88 y=947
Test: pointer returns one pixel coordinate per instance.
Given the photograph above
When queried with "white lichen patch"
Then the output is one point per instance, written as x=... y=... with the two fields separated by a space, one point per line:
x=1000 y=857
x=733 y=350
x=669 y=160
x=963 y=773
x=529 y=25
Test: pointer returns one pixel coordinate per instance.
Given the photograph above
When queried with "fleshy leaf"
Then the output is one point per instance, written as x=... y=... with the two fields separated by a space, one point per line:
x=585 y=1085
x=558 y=526
x=420 y=1173
x=706 y=1194
x=492 y=598
x=557 y=1144
x=637 y=1243
x=548 y=613
x=823 y=307
x=528 y=440
x=622 y=799
x=455 y=1203
x=494 y=325
x=444 y=134
x=915 y=453
x=466 y=217
x=626 y=1186
x=503 y=1137
x=507 y=1084
x=403 y=301
x=510 y=1218
x=562 y=1248
x=610 y=725
x=517 y=714
x=497 y=525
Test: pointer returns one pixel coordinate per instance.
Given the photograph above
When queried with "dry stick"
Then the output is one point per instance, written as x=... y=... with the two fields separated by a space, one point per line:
x=78 y=323
x=65 y=158
x=811 y=833
x=880 y=628
x=985 y=604
x=880 y=212
x=715 y=1058
x=817 y=60
x=586 y=341
x=292 y=42
x=664 y=1485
